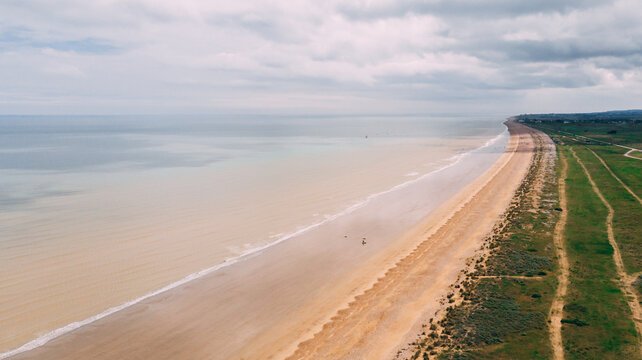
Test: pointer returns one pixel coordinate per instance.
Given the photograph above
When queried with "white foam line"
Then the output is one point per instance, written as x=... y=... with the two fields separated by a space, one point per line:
x=42 y=340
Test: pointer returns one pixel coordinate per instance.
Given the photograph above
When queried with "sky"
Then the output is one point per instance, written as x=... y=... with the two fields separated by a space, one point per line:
x=319 y=57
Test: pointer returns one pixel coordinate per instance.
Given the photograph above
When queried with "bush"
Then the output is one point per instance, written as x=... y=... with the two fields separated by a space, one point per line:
x=575 y=322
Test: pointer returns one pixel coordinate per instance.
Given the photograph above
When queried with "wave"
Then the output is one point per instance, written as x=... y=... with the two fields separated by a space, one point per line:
x=42 y=340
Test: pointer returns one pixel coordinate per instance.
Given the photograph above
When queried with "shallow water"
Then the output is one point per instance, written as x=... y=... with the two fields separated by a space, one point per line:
x=96 y=211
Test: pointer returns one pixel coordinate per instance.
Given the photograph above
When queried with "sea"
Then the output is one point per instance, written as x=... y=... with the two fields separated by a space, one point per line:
x=99 y=212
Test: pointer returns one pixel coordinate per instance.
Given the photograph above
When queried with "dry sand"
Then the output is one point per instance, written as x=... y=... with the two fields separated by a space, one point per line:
x=286 y=301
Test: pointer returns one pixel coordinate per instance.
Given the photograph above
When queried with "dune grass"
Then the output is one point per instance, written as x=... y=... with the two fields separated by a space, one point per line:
x=500 y=310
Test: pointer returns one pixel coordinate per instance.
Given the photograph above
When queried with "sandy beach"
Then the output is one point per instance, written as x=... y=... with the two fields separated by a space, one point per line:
x=78 y=242
x=324 y=295
x=301 y=180
x=387 y=317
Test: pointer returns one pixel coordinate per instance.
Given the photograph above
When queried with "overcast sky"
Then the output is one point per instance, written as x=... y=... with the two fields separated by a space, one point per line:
x=319 y=57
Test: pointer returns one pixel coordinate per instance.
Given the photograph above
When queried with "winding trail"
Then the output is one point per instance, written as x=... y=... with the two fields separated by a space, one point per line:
x=625 y=286
x=557 y=306
x=617 y=178
x=632 y=157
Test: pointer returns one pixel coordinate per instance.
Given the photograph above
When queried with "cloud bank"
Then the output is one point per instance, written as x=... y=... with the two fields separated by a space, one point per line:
x=311 y=57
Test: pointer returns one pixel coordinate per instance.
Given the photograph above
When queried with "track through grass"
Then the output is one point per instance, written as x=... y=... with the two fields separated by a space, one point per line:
x=631 y=298
x=557 y=306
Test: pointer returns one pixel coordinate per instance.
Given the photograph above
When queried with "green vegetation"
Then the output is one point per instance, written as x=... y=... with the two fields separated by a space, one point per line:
x=628 y=212
x=596 y=117
x=629 y=133
x=593 y=298
x=627 y=169
x=500 y=310
x=597 y=319
x=619 y=127
x=626 y=222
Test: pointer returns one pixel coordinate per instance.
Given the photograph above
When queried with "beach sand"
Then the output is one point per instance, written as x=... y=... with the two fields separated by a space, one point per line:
x=388 y=316
x=323 y=296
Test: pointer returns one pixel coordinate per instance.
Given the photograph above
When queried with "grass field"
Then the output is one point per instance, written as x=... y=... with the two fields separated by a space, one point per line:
x=598 y=322
x=624 y=134
x=621 y=131
x=628 y=211
x=626 y=222
x=627 y=169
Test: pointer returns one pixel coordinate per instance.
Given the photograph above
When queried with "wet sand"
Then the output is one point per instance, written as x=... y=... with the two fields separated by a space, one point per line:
x=69 y=257
x=264 y=306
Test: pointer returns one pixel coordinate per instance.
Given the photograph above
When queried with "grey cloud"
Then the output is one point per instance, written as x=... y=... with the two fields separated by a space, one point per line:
x=466 y=8
x=249 y=56
x=260 y=25
x=86 y=45
x=19 y=37
x=514 y=79
x=567 y=50
x=619 y=63
x=567 y=79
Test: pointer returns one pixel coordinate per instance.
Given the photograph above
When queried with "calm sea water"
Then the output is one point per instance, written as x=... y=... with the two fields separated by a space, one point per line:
x=96 y=211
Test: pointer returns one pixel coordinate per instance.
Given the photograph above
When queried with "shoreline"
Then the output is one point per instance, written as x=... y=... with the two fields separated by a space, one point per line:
x=248 y=254
x=369 y=326
x=188 y=298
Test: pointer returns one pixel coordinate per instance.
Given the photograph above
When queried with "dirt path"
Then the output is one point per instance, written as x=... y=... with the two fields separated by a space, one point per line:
x=632 y=157
x=557 y=307
x=616 y=178
x=627 y=289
